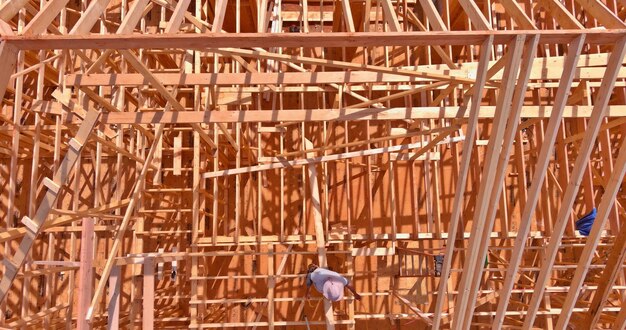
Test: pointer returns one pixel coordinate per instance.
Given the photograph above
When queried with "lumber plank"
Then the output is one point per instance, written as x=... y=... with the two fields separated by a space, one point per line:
x=8 y=55
x=320 y=237
x=390 y=16
x=113 y=304
x=489 y=189
x=602 y=14
x=314 y=160
x=319 y=115
x=173 y=25
x=24 y=321
x=60 y=178
x=220 y=13
x=607 y=279
x=44 y=17
x=516 y=100
x=89 y=18
x=468 y=146
x=547 y=148
x=593 y=127
x=561 y=14
x=147 y=321
x=513 y=8
x=604 y=208
x=123 y=225
x=10 y=8
x=476 y=17
x=313 y=39
x=85 y=277
x=347 y=15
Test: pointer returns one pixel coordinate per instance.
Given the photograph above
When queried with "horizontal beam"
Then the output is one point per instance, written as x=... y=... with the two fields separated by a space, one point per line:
x=308 y=161
x=13 y=233
x=307 y=78
x=252 y=116
x=247 y=78
x=335 y=39
x=339 y=238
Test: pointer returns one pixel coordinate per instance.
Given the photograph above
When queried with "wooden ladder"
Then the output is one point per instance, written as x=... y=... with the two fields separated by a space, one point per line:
x=54 y=185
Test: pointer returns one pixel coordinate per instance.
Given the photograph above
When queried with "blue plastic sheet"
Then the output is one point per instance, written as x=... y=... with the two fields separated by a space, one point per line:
x=583 y=225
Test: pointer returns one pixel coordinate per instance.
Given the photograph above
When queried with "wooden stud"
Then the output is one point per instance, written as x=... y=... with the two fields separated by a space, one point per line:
x=123 y=225
x=148 y=294
x=113 y=320
x=8 y=55
x=85 y=280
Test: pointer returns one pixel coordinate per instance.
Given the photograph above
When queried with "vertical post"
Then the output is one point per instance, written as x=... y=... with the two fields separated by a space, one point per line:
x=114 y=299
x=271 y=282
x=148 y=294
x=85 y=287
x=319 y=229
x=8 y=56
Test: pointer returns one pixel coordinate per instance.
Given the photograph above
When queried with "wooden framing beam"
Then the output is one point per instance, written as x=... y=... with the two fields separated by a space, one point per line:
x=220 y=12
x=170 y=97
x=547 y=148
x=44 y=17
x=24 y=321
x=515 y=97
x=9 y=9
x=607 y=279
x=435 y=20
x=602 y=14
x=595 y=121
x=308 y=161
x=115 y=280
x=14 y=233
x=8 y=55
x=54 y=185
x=313 y=39
x=123 y=225
x=173 y=25
x=338 y=64
x=147 y=321
x=248 y=78
x=317 y=115
x=85 y=278
x=604 y=208
x=468 y=146
x=89 y=18
x=347 y=15
x=476 y=17
x=561 y=14
x=244 y=156
x=320 y=237
x=620 y=321
x=514 y=10
x=489 y=188
x=390 y=16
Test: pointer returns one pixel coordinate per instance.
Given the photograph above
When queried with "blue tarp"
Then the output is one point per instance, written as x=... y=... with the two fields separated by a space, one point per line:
x=583 y=225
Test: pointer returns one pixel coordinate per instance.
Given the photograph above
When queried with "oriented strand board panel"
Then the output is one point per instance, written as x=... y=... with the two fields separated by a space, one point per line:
x=179 y=164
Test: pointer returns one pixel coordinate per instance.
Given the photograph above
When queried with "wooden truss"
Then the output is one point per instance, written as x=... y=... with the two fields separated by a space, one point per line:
x=179 y=163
